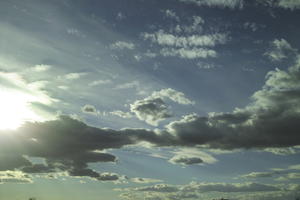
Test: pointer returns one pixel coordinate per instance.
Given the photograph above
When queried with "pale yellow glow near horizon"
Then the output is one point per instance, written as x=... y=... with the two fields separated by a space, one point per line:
x=15 y=109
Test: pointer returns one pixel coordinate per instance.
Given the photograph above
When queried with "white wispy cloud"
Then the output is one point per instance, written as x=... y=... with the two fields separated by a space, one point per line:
x=289 y=4
x=122 y=114
x=189 y=53
x=279 y=50
x=100 y=82
x=171 y=14
x=41 y=68
x=217 y=3
x=74 y=76
x=168 y=39
x=120 y=45
x=187 y=41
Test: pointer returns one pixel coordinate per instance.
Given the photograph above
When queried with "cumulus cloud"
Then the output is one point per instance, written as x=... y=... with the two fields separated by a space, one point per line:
x=280 y=49
x=153 y=109
x=120 y=45
x=14 y=177
x=90 y=109
x=269 y=121
x=191 y=156
x=186 y=160
x=217 y=3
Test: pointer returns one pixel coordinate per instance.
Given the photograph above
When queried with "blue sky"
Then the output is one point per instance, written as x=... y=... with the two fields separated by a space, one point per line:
x=149 y=99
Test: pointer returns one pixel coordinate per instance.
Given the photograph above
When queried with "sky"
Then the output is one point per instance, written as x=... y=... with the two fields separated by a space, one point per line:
x=149 y=99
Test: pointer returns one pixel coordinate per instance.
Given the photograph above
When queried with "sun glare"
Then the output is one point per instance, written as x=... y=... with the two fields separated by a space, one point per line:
x=15 y=109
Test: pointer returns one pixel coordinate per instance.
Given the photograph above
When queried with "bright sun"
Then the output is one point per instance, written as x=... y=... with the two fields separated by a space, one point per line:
x=14 y=109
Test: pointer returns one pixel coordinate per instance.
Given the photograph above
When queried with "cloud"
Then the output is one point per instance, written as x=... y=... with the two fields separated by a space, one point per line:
x=75 y=32
x=100 y=82
x=41 y=68
x=196 y=190
x=285 y=4
x=144 y=180
x=153 y=109
x=186 y=41
x=120 y=16
x=171 y=14
x=167 y=39
x=217 y=3
x=108 y=177
x=157 y=188
x=289 y=173
x=120 y=45
x=90 y=109
x=14 y=177
x=74 y=76
x=65 y=144
x=119 y=113
x=190 y=156
x=185 y=160
x=282 y=151
x=261 y=174
x=189 y=53
x=174 y=95
x=269 y=121
x=229 y=187
x=280 y=49
x=289 y=4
